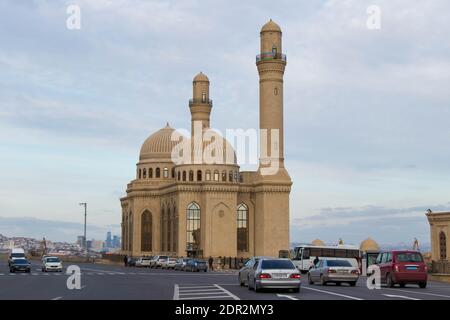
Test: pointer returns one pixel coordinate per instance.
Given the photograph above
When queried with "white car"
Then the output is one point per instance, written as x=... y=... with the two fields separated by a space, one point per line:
x=143 y=262
x=51 y=264
x=169 y=263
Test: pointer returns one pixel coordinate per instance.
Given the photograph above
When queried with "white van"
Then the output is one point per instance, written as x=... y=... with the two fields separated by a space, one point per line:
x=16 y=253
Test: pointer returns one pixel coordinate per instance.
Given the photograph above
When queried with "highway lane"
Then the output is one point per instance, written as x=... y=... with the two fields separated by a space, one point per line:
x=117 y=283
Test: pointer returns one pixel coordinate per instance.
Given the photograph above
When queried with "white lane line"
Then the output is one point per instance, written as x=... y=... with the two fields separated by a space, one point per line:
x=99 y=273
x=35 y=274
x=176 y=295
x=202 y=293
x=196 y=287
x=200 y=290
x=400 y=297
x=228 y=292
x=2 y=274
x=417 y=292
x=286 y=296
x=332 y=293
x=57 y=298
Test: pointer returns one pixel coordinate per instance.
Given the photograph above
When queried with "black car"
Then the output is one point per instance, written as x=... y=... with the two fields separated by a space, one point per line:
x=196 y=265
x=20 y=265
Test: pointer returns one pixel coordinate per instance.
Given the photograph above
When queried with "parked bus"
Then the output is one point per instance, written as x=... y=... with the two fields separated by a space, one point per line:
x=303 y=255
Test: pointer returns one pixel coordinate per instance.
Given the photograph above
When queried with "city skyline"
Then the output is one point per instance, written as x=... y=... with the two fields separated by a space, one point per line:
x=365 y=111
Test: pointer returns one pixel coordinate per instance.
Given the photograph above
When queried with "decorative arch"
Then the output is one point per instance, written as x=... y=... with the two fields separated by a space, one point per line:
x=242 y=227
x=442 y=245
x=146 y=231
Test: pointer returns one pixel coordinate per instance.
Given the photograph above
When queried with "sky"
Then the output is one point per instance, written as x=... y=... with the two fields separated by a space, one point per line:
x=366 y=110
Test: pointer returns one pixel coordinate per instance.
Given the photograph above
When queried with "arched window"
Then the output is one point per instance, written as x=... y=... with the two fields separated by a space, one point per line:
x=242 y=228
x=146 y=231
x=216 y=175
x=144 y=174
x=208 y=175
x=150 y=173
x=179 y=175
x=158 y=173
x=191 y=175
x=224 y=176
x=193 y=227
x=230 y=176
x=199 y=175
x=443 y=246
x=173 y=173
x=140 y=174
x=166 y=173
x=184 y=175
x=236 y=176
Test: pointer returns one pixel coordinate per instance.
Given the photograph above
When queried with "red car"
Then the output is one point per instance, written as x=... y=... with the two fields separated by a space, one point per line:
x=402 y=267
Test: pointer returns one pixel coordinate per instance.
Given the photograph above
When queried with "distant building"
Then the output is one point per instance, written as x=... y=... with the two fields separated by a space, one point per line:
x=440 y=232
x=108 y=242
x=97 y=245
x=116 y=242
x=80 y=241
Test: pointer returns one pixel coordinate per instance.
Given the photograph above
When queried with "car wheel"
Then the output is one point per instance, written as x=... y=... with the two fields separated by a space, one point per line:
x=352 y=284
x=240 y=281
x=255 y=287
x=309 y=279
x=248 y=284
x=296 y=290
x=389 y=281
x=422 y=285
x=322 y=281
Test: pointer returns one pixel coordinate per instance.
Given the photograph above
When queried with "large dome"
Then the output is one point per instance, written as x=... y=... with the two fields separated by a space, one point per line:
x=369 y=244
x=318 y=242
x=212 y=142
x=159 y=145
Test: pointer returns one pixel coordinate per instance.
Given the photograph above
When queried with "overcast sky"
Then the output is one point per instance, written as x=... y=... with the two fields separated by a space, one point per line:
x=367 y=112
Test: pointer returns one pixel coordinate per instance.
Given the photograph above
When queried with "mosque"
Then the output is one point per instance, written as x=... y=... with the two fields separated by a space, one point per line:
x=204 y=208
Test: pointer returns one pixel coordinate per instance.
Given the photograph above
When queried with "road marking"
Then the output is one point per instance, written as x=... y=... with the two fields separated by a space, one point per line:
x=99 y=273
x=191 y=292
x=286 y=296
x=225 y=290
x=332 y=293
x=57 y=298
x=176 y=294
x=35 y=274
x=2 y=274
x=401 y=297
x=417 y=292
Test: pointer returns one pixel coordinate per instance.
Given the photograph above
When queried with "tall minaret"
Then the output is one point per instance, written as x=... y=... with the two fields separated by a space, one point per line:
x=200 y=104
x=271 y=63
x=272 y=183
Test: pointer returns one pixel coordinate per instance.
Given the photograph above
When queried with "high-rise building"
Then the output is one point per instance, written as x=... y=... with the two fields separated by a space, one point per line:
x=116 y=242
x=108 y=242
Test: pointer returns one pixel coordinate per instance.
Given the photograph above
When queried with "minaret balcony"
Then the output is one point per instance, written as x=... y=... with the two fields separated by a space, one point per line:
x=200 y=101
x=271 y=56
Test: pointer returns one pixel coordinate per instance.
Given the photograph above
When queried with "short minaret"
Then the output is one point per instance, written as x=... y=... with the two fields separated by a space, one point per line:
x=271 y=63
x=200 y=104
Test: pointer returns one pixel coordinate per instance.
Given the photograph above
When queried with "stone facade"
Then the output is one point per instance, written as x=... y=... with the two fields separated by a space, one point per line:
x=440 y=248
x=213 y=209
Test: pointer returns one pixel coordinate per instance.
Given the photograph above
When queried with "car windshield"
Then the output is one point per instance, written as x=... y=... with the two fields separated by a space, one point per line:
x=277 y=264
x=163 y=257
x=409 y=257
x=17 y=255
x=21 y=261
x=338 y=263
x=53 y=260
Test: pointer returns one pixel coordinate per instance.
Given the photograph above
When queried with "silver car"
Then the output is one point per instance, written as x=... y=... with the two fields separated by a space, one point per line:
x=274 y=273
x=333 y=270
x=243 y=272
x=169 y=263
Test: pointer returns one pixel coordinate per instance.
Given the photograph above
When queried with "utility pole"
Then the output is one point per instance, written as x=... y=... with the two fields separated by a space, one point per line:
x=84 y=204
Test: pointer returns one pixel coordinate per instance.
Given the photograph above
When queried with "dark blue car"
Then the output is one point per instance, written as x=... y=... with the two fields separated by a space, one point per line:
x=196 y=265
x=20 y=265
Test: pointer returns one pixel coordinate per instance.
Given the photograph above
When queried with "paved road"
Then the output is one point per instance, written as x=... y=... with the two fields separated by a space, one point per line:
x=115 y=282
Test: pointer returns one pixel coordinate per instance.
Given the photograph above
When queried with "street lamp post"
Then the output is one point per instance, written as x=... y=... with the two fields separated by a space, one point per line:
x=84 y=204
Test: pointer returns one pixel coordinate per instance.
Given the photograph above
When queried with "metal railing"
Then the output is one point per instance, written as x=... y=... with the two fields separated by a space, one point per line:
x=200 y=101
x=271 y=56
